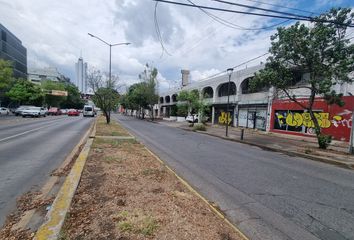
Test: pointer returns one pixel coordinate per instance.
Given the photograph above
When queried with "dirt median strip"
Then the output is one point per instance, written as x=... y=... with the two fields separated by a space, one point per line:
x=125 y=193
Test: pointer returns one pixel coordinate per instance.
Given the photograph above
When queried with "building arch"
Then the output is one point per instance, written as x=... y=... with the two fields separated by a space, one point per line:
x=167 y=99
x=161 y=100
x=208 y=92
x=223 y=89
x=174 y=97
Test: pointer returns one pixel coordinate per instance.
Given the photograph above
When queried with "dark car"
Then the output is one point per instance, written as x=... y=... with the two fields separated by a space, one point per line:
x=54 y=111
x=73 y=112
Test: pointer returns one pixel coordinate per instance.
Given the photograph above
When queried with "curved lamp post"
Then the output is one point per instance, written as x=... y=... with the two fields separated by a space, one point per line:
x=229 y=72
x=110 y=51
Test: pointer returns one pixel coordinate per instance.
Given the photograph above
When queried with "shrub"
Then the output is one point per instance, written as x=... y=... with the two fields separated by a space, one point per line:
x=324 y=141
x=199 y=127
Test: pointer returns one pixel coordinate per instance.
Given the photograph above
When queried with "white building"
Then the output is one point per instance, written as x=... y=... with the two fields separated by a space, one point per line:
x=250 y=109
x=81 y=75
x=37 y=75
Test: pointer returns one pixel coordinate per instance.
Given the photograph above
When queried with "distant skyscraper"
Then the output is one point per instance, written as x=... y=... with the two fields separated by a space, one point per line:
x=81 y=75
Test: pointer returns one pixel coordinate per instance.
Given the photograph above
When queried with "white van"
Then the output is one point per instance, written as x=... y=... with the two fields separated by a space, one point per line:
x=88 y=111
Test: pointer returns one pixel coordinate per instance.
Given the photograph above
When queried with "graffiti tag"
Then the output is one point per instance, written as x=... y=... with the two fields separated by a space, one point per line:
x=225 y=118
x=304 y=119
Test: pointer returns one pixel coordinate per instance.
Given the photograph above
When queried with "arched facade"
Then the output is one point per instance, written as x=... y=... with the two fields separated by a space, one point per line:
x=223 y=89
x=208 y=92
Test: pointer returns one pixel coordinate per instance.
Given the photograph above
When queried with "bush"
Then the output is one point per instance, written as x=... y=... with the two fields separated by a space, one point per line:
x=324 y=141
x=182 y=110
x=199 y=127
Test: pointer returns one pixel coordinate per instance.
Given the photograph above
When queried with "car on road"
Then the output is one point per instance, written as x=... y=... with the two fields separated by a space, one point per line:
x=4 y=111
x=18 y=111
x=195 y=117
x=88 y=111
x=73 y=112
x=34 y=112
x=54 y=111
x=64 y=111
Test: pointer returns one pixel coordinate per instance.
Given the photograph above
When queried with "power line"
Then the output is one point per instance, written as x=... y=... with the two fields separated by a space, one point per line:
x=159 y=36
x=305 y=18
x=234 y=26
x=239 y=65
x=279 y=6
x=258 y=8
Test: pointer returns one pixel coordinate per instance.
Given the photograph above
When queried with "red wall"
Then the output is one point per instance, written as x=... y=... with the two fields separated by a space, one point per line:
x=288 y=117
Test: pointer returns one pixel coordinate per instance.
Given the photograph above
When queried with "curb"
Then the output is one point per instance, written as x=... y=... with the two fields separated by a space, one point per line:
x=213 y=207
x=290 y=153
x=56 y=215
x=47 y=187
x=189 y=187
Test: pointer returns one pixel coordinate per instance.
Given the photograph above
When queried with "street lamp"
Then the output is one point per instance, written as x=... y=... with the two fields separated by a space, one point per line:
x=110 y=52
x=229 y=72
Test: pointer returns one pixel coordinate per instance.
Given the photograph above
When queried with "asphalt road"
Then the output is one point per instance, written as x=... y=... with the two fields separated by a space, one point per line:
x=268 y=195
x=30 y=150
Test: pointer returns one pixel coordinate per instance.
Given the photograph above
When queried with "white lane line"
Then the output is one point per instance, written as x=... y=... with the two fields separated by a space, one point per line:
x=32 y=130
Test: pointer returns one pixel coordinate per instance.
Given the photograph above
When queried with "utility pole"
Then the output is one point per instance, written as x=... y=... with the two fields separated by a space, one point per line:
x=229 y=72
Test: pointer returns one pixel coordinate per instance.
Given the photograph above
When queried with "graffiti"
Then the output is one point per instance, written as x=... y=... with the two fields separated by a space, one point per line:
x=297 y=119
x=223 y=118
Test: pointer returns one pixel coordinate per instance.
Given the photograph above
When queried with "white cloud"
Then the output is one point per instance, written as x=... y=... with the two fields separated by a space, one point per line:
x=55 y=32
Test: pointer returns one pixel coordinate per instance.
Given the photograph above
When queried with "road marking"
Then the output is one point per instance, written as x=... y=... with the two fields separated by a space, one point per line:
x=32 y=130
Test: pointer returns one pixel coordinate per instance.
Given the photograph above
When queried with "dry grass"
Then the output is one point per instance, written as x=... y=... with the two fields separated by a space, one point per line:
x=125 y=193
x=112 y=129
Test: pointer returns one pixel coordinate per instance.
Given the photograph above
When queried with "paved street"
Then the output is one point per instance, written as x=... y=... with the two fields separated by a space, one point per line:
x=30 y=150
x=268 y=195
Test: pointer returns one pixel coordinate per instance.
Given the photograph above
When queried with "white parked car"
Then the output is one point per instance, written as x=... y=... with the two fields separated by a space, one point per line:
x=34 y=112
x=194 y=118
x=4 y=111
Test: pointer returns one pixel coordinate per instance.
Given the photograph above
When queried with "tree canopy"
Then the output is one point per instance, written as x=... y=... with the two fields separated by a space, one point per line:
x=106 y=95
x=320 y=51
x=142 y=95
x=25 y=92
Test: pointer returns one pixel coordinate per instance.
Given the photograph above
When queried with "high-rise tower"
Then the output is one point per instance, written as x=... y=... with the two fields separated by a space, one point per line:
x=81 y=75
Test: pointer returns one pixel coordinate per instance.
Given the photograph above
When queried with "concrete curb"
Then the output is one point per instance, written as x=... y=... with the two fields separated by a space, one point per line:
x=291 y=153
x=27 y=216
x=56 y=215
x=190 y=188
x=211 y=206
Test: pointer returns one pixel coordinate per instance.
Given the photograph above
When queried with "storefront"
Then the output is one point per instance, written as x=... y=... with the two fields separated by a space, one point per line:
x=252 y=116
x=288 y=117
x=221 y=116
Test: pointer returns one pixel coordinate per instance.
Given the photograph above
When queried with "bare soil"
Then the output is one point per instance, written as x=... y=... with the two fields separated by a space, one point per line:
x=125 y=193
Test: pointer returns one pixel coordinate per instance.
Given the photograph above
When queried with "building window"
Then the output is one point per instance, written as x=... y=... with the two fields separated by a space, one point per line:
x=223 y=90
x=3 y=36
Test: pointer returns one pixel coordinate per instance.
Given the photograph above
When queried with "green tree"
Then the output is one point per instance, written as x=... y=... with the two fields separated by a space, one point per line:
x=73 y=100
x=51 y=100
x=193 y=101
x=149 y=88
x=321 y=51
x=106 y=95
x=6 y=78
x=25 y=92
x=143 y=95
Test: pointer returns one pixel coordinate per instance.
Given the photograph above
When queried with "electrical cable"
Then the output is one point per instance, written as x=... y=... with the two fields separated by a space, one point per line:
x=239 y=65
x=234 y=26
x=310 y=19
x=262 y=9
x=279 y=6
x=159 y=36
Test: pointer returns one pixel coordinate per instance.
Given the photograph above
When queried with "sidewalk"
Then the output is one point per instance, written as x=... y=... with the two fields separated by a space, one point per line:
x=336 y=154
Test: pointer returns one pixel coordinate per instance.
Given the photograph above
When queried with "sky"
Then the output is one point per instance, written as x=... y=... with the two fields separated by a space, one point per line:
x=55 y=34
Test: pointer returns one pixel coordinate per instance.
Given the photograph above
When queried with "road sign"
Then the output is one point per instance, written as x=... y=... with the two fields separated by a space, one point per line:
x=59 y=93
